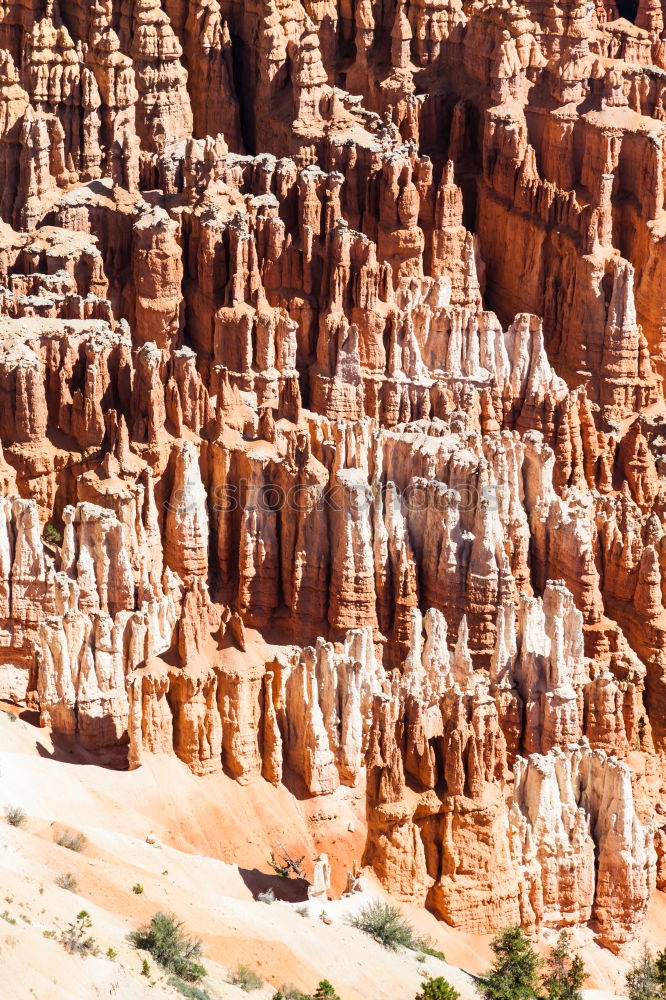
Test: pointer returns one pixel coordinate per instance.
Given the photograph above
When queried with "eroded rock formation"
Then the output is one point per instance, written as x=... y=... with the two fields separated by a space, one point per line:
x=332 y=346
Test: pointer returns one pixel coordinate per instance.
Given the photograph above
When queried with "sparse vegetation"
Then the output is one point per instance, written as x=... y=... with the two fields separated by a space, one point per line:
x=515 y=970
x=267 y=897
x=72 y=841
x=51 y=535
x=48 y=934
x=290 y=993
x=188 y=990
x=386 y=924
x=303 y=911
x=437 y=989
x=15 y=816
x=10 y=716
x=111 y=953
x=145 y=968
x=660 y=969
x=425 y=946
x=325 y=991
x=137 y=889
x=565 y=973
x=6 y=915
x=166 y=940
x=286 y=866
x=646 y=979
x=67 y=881
x=246 y=978
x=76 y=938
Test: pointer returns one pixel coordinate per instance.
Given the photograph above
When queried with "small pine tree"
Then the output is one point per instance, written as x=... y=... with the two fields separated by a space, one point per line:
x=170 y=946
x=660 y=969
x=514 y=972
x=643 y=982
x=565 y=973
x=438 y=989
x=325 y=991
x=51 y=535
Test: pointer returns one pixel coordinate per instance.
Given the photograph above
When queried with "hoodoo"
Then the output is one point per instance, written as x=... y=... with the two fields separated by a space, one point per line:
x=332 y=423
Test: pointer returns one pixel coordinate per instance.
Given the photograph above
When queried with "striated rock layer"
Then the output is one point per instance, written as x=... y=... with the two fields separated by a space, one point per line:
x=332 y=423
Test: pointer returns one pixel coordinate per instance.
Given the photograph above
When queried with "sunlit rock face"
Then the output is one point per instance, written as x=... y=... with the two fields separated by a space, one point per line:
x=332 y=426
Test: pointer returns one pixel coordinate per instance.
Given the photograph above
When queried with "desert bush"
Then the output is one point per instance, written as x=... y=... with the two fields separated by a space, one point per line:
x=515 y=969
x=72 y=841
x=145 y=968
x=188 y=990
x=246 y=978
x=170 y=946
x=111 y=953
x=267 y=897
x=385 y=923
x=67 y=881
x=290 y=993
x=51 y=535
x=137 y=889
x=643 y=979
x=15 y=816
x=76 y=938
x=303 y=911
x=660 y=969
x=437 y=989
x=325 y=991
x=425 y=945
x=565 y=971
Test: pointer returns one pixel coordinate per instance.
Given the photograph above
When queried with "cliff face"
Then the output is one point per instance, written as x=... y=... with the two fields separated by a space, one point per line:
x=331 y=345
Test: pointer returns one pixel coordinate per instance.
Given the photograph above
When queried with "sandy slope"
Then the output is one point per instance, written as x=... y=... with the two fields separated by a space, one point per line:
x=213 y=839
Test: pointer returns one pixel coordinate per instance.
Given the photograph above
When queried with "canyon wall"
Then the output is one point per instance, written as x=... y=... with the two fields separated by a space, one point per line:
x=332 y=423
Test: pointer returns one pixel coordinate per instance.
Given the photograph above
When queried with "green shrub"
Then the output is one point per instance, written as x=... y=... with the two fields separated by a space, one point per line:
x=325 y=991
x=51 y=535
x=67 y=882
x=15 y=816
x=437 y=989
x=170 y=946
x=72 y=841
x=425 y=945
x=643 y=979
x=111 y=953
x=514 y=971
x=145 y=968
x=137 y=889
x=660 y=968
x=187 y=990
x=290 y=993
x=246 y=978
x=565 y=972
x=76 y=938
x=385 y=923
